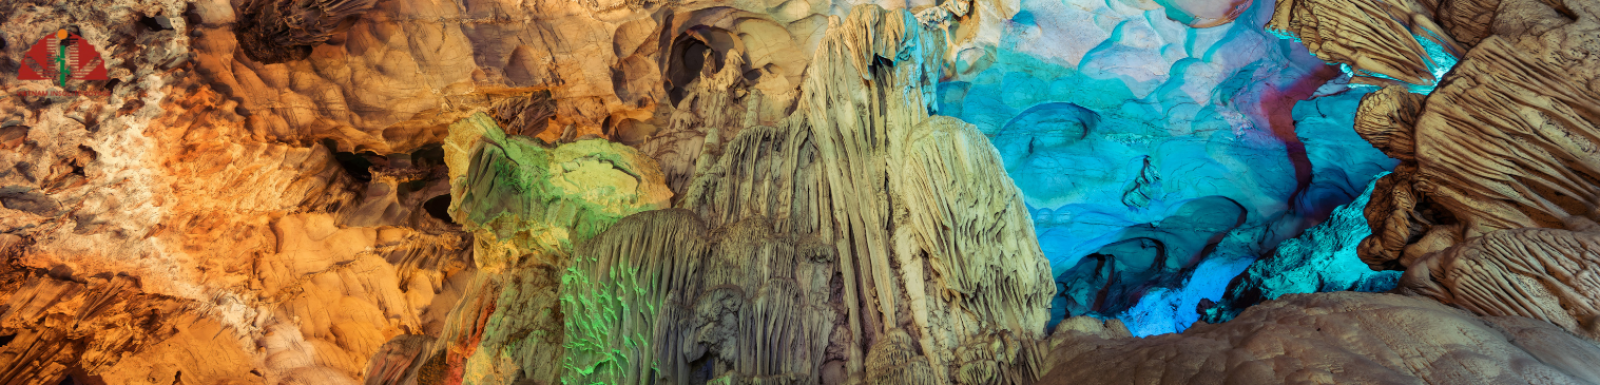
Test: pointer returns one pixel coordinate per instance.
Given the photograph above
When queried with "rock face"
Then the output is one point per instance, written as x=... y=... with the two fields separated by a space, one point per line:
x=1501 y=145
x=764 y=275
x=278 y=31
x=1334 y=338
x=1323 y=259
x=1157 y=157
x=1536 y=273
x=1385 y=41
x=805 y=192
x=902 y=296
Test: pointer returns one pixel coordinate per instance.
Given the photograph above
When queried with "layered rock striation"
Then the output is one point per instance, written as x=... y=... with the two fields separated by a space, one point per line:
x=1497 y=148
x=500 y=192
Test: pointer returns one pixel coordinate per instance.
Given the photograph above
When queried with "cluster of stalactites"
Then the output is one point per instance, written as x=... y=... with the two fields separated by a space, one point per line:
x=881 y=243
x=1505 y=143
x=1379 y=42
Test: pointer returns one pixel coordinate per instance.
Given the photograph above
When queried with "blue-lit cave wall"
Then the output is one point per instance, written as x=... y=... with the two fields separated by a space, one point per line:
x=1159 y=159
x=1320 y=260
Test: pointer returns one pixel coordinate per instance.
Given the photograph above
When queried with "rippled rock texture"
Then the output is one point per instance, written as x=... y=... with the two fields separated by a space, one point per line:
x=1334 y=338
x=1159 y=158
x=798 y=192
x=1322 y=259
x=1495 y=179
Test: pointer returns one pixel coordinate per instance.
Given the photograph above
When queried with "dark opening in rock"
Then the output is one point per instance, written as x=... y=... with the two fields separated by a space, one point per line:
x=359 y=166
x=439 y=207
x=156 y=23
x=428 y=156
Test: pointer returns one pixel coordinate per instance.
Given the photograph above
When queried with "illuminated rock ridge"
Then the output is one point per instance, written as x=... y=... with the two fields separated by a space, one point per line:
x=803 y=192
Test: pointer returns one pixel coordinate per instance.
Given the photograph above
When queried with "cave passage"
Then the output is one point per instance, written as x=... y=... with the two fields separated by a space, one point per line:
x=1157 y=169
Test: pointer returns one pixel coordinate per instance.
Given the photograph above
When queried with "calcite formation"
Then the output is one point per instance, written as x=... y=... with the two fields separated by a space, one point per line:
x=1159 y=157
x=1322 y=259
x=1502 y=145
x=801 y=192
x=1334 y=338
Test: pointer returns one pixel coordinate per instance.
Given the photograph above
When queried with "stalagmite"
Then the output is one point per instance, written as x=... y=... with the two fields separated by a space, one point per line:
x=409 y=192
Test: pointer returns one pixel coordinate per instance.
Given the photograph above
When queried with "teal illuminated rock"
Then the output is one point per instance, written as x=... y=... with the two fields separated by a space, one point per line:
x=1122 y=124
x=1322 y=259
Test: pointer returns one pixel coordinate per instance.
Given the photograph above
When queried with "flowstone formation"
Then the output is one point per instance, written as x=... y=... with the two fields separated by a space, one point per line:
x=1470 y=213
x=764 y=273
x=800 y=192
x=1496 y=168
x=1160 y=155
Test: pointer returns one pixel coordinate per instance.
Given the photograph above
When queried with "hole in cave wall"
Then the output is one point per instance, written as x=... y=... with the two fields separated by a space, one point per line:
x=156 y=23
x=439 y=207
x=688 y=60
x=1155 y=257
x=78 y=376
x=701 y=48
x=428 y=156
x=358 y=165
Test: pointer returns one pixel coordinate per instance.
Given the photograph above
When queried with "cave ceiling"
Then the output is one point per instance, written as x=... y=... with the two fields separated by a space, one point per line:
x=417 y=192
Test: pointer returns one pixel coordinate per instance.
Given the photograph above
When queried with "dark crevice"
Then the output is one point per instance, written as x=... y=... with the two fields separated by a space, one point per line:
x=359 y=166
x=439 y=207
x=156 y=23
x=1561 y=8
x=271 y=31
x=689 y=59
x=428 y=156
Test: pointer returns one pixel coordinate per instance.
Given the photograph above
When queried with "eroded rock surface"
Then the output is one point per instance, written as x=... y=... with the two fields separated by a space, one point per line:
x=1160 y=155
x=1331 y=338
x=508 y=192
x=1502 y=145
x=1322 y=259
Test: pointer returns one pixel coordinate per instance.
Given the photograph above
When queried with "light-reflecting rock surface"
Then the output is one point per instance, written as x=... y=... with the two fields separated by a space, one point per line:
x=1147 y=148
x=808 y=192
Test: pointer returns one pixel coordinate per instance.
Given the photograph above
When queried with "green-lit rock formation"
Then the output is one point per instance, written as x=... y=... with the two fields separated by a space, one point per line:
x=520 y=198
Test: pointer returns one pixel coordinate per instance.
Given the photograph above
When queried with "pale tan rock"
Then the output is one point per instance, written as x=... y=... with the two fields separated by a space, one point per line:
x=828 y=230
x=1469 y=21
x=1543 y=274
x=925 y=281
x=1504 y=144
x=1496 y=184
x=1332 y=338
x=1387 y=119
x=1524 y=120
x=1380 y=36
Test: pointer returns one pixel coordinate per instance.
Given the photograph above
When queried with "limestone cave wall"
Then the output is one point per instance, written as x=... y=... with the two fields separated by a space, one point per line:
x=799 y=192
